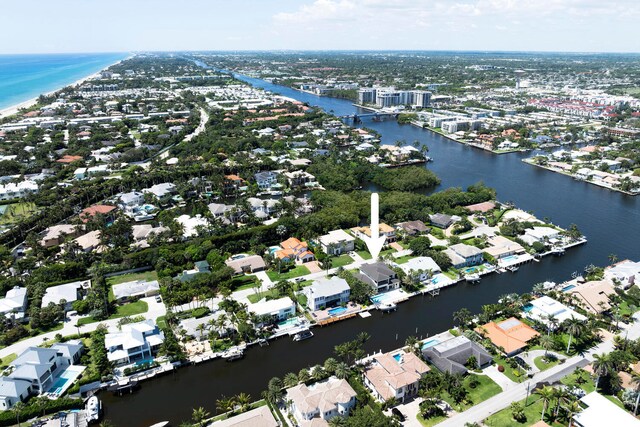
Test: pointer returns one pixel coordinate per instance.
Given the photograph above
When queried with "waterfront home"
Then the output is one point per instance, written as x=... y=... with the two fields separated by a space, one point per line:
x=501 y=247
x=540 y=234
x=13 y=391
x=625 y=273
x=266 y=180
x=481 y=207
x=385 y=230
x=56 y=234
x=380 y=276
x=233 y=183
x=258 y=417
x=133 y=342
x=69 y=292
x=394 y=375
x=263 y=208
x=510 y=336
x=337 y=242
x=293 y=250
x=161 y=191
x=211 y=322
x=136 y=288
x=276 y=309
x=593 y=296
x=412 y=228
x=599 y=411
x=14 y=303
x=422 y=268
x=463 y=255
x=246 y=264
x=191 y=224
x=300 y=179
x=452 y=355
x=129 y=201
x=105 y=210
x=324 y=400
x=327 y=292
x=441 y=220
x=545 y=308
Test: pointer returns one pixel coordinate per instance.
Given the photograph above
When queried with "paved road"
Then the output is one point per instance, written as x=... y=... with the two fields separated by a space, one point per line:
x=518 y=392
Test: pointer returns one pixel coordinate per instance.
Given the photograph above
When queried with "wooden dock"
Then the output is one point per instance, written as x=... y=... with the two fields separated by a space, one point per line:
x=331 y=320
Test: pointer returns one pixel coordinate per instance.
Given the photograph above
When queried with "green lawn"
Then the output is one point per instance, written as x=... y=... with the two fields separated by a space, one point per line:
x=255 y=297
x=509 y=371
x=451 y=273
x=126 y=310
x=341 y=261
x=431 y=421
x=7 y=360
x=147 y=276
x=242 y=283
x=533 y=411
x=297 y=271
x=580 y=378
x=162 y=322
x=483 y=391
x=404 y=259
x=364 y=254
x=17 y=212
x=542 y=365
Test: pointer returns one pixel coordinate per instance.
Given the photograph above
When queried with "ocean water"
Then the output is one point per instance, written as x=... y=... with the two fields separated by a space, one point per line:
x=23 y=77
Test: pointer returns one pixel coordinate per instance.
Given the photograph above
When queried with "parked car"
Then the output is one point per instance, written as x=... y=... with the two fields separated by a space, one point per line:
x=399 y=415
x=158 y=298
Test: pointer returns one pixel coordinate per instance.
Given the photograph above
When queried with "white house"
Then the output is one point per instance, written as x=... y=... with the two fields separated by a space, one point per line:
x=13 y=391
x=131 y=200
x=190 y=224
x=68 y=292
x=626 y=272
x=135 y=341
x=161 y=190
x=545 y=308
x=424 y=267
x=323 y=400
x=337 y=242
x=136 y=288
x=327 y=292
x=278 y=309
x=540 y=234
x=15 y=301
x=600 y=411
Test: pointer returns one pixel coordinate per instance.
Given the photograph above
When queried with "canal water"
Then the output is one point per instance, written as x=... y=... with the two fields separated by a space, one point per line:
x=610 y=220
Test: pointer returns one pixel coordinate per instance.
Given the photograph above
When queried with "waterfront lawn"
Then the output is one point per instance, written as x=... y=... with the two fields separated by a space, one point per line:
x=532 y=411
x=542 y=365
x=297 y=271
x=126 y=310
x=580 y=378
x=515 y=375
x=147 y=276
x=484 y=390
x=451 y=273
x=341 y=261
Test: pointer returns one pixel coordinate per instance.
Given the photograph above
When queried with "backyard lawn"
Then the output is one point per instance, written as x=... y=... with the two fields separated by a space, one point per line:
x=297 y=271
x=431 y=421
x=484 y=390
x=242 y=283
x=580 y=378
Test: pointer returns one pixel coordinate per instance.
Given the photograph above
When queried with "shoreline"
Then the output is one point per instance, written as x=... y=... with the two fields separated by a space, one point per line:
x=14 y=109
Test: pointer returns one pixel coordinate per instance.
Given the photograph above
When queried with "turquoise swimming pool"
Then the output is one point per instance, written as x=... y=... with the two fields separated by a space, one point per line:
x=527 y=308
x=568 y=288
x=289 y=322
x=430 y=343
x=398 y=357
x=336 y=311
x=58 y=386
x=510 y=258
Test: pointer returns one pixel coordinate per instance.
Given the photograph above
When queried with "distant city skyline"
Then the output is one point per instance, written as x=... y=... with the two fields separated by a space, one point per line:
x=34 y=26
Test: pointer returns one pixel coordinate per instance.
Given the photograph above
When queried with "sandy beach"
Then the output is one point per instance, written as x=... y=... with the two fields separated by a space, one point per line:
x=10 y=111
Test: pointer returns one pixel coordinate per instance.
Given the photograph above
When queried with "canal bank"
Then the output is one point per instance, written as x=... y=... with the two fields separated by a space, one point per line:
x=607 y=218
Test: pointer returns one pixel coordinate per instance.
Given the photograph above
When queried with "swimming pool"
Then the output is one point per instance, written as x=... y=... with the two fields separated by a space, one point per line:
x=471 y=270
x=144 y=361
x=510 y=258
x=378 y=299
x=58 y=386
x=568 y=288
x=527 y=308
x=435 y=280
x=289 y=322
x=398 y=357
x=336 y=311
x=430 y=343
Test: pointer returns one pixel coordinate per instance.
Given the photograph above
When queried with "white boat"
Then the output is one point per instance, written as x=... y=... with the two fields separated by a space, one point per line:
x=472 y=278
x=93 y=409
x=303 y=335
x=233 y=354
x=513 y=268
x=557 y=251
x=161 y=424
x=387 y=307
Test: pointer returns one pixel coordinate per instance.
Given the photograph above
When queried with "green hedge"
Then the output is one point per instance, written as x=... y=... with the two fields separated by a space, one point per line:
x=8 y=418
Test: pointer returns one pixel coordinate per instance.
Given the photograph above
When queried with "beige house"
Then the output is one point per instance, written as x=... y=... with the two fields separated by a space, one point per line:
x=395 y=375
x=321 y=401
x=594 y=296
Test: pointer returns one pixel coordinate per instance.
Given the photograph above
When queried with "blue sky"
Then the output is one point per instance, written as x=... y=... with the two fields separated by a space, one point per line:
x=34 y=26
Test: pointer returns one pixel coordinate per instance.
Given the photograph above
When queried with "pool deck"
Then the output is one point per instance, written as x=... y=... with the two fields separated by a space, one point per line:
x=323 y=317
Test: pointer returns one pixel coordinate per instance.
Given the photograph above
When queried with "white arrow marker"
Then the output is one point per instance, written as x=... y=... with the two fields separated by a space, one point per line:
x=375 y=242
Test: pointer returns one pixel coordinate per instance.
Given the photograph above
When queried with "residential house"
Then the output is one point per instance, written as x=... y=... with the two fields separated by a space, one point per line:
x=258 y=417
x=69 y=292
x=413 y=228
x=199 y=267
x=246 y=264
x=300 y=178
x=501 y=247
x=323 y=400
x=136 y=288
x=133 y=342
x=327 y=292
x=161 y=191
x=13 y=391
x=453 y=354
x=106 y=210
x=463 y=255
x=510 y=335
x=56 y=234
x=263 y=208
x=594 y=296
x=394 y=375
x=233 y=183
x=130 y=200
x=422 y=268
x=14 y=302
x=337 y=242
x=599 y=411
x=293 y=250
x=481 y=207
x=545 y=308
x=441 y=220
x=191 y=224
x=90 y=241
x=277 y=309
x=223 y=212
x=626 y=273
x=385 y=230
x=540 y=234
x=380 y=276
x=266 y=180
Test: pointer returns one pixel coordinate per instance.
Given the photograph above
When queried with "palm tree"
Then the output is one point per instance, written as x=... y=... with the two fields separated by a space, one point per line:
x=574 y=327
x=546 y=394
x=318 y=373
x=412 y=343
x=462 y=316
x=571 y=410
x=330 y=365
x=304 y=375
x=17 y=410
x=290 y=379
x=547 y=343
x=223 y=405
x=613 y=258
x=342 y=370
x=199 y=415
x=243 y=400
x=602 y=365
x=635 y=380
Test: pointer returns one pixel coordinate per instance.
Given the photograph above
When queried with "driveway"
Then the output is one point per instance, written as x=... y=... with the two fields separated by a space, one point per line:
x=410 y=411
x=498 y=377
